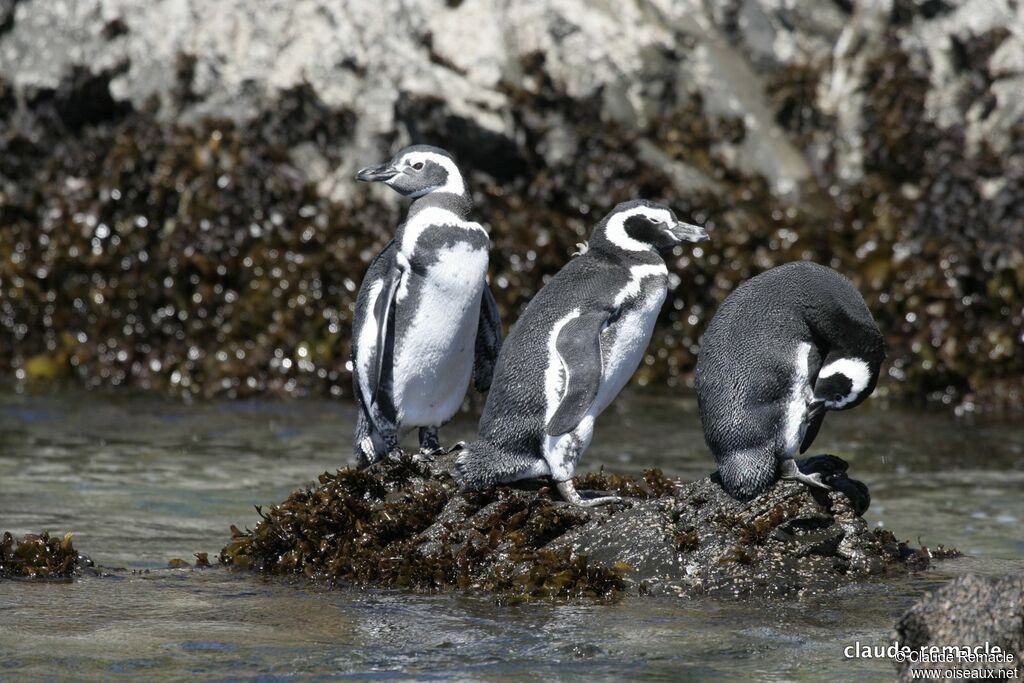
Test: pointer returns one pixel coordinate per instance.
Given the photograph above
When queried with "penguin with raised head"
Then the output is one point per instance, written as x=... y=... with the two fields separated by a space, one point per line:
x=425 y=321
x=574 y=348
x=783 y=349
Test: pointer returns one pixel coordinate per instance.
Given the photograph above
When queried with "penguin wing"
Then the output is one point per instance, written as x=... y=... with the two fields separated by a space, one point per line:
x=579 y=349
x=488 y=341
x=381 y=264
x=382 y=314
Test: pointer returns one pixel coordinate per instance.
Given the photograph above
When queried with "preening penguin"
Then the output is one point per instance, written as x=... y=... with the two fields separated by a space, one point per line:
x=425 y=320
x=576 y=345
x=783 y=349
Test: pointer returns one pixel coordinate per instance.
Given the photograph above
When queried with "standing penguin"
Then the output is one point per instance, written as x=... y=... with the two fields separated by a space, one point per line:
x=783 y=349
x=425 y=320
x=576 y=345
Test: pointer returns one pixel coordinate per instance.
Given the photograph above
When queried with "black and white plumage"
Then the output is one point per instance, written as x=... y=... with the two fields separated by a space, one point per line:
x=783 y=349
x=425 y=320
x=576 y=345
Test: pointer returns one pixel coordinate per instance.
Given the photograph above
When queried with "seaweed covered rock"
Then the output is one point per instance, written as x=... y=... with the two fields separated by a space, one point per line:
x=40 y=556
x=968 y=612
x=405 y=523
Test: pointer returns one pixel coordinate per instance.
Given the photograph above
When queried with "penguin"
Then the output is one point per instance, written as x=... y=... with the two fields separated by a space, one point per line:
x=425 y=321
x=578 y=342
x=784 y=349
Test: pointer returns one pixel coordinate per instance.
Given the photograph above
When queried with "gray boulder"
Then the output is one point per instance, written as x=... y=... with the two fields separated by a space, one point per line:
x=969 y=612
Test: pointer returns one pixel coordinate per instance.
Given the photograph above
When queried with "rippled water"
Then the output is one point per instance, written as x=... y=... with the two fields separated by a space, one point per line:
x=141 y=481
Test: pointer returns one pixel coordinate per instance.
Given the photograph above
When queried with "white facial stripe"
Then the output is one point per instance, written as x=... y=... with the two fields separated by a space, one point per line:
x=453 y=183
x=796 y=411
x=854 y=369
x=636 y=277
x=616 y=228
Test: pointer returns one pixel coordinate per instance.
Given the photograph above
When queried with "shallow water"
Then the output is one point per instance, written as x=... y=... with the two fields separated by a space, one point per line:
x=140 y=481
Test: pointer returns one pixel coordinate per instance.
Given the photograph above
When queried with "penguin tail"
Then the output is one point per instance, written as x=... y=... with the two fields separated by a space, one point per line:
x=746 y=474
x=481 y=464
x=367 y=442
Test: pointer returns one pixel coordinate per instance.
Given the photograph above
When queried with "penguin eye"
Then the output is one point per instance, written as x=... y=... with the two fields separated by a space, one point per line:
x=418 y=166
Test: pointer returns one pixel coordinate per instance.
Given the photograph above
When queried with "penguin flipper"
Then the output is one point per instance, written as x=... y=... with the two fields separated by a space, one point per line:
x=488 y=341
x=382 y=313
x=579 y=347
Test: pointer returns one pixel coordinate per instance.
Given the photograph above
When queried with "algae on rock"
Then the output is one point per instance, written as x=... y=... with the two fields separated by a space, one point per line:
x=40 y=556
x=404 y=523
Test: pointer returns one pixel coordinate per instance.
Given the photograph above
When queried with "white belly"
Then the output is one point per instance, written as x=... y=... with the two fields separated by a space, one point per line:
x=434 y=356
x=632 y=334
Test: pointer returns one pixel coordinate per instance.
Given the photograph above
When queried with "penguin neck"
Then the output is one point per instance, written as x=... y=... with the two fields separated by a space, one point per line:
x=458 y=204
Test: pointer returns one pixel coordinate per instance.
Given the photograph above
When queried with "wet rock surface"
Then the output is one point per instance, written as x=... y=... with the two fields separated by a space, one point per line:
x=404 y=523
x=178 y=209
x=40 y=556
x=968 y=612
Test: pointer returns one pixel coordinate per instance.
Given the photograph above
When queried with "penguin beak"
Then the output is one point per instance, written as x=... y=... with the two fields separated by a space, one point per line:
x=815 y=408
x=376 y=174
x=685 y=232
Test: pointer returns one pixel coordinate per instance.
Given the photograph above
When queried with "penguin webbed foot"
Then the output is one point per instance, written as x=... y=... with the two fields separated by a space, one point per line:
x=833 y=470
x=791 y=472
x=428 y=453
x=574 y=497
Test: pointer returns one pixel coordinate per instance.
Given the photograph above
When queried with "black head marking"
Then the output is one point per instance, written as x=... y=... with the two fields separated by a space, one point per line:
x=643 y=226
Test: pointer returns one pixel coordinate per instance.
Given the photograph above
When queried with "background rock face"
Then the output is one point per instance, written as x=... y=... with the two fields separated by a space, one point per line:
x=177 y=206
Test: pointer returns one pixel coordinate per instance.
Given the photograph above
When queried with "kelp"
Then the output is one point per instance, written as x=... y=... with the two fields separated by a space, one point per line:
x=402 y=524
x=40 y=556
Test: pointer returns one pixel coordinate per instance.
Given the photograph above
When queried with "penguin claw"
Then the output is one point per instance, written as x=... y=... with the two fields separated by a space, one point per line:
x=793 y=473
x=572 y=496
x=428 y=454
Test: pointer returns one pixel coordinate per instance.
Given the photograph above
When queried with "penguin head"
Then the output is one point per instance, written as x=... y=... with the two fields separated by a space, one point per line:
x=845 y=383
x=641 y=225
x=416 y=171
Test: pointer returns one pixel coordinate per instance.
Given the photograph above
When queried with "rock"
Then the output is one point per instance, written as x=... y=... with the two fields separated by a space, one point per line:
x=404 y=523
x=969 y=612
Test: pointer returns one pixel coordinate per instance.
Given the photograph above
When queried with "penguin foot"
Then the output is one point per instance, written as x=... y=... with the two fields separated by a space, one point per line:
x=572 y=496
x=792 y=472
x=394 y=454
